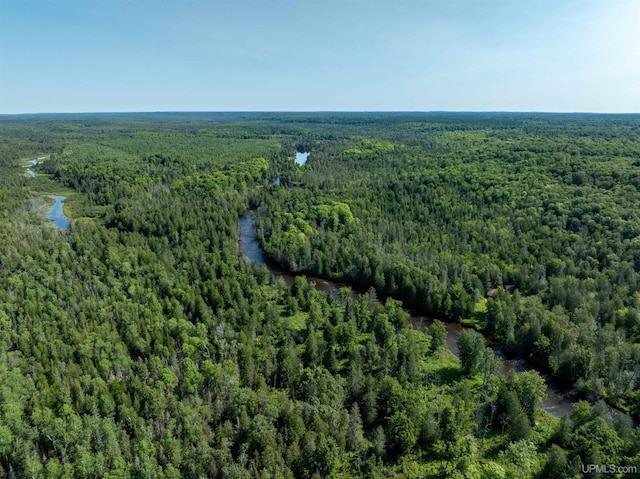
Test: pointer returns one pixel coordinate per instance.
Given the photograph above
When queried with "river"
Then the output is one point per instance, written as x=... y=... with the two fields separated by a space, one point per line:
x=56 y=213
x=34 y=162
x=557 y=401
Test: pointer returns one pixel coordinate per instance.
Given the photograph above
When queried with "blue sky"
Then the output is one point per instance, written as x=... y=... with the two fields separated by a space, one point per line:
x=307 y=55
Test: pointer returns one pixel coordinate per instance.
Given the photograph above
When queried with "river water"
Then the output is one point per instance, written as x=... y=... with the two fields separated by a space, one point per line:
x=557 y=401
x=33 y=162
x=56 y=213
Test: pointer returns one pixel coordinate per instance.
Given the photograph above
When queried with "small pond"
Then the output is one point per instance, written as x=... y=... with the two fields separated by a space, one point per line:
x=301 y=158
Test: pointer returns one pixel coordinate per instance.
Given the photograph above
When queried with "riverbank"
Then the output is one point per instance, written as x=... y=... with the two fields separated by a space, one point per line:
x=44 y=185
x=558 y=401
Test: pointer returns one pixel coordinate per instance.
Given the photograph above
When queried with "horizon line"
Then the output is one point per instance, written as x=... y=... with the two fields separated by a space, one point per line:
x=537 y=112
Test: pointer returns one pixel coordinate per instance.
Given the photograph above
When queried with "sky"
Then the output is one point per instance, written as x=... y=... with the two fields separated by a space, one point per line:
x=327 y=55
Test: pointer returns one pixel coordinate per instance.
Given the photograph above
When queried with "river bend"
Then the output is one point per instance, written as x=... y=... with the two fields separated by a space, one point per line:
x=557 y=401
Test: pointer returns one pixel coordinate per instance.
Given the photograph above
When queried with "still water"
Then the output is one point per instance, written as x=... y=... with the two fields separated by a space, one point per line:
x=301 y=158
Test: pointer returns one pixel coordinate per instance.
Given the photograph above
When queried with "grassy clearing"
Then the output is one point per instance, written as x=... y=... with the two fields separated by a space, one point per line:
x=442 y=365
x=297 y=321
x=477 y=320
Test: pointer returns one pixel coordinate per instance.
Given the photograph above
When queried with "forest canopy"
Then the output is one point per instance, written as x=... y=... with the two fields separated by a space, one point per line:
x=141 y=342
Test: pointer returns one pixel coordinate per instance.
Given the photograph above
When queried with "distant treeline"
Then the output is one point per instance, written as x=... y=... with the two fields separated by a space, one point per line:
x=140 y=342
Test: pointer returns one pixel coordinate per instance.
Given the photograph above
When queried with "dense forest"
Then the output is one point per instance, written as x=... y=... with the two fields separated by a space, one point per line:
x=140 y=342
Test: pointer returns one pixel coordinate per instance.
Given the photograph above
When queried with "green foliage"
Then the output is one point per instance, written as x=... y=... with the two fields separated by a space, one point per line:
x=470 y=346
x=438 y=334
x=140 y=343
x=401 y=433
x=448 y=208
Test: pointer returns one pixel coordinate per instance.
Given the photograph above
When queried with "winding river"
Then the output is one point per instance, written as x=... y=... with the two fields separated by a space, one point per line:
x=557 y=401
x=56 y=213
